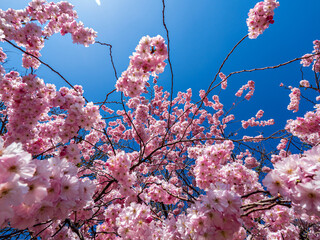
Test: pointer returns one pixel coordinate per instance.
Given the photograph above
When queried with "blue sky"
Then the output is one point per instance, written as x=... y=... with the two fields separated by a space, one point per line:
x=201 y=34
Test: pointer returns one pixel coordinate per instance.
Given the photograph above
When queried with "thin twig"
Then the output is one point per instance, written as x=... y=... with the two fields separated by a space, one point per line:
x=170 y=65
x=113 y=66
x=47 y=65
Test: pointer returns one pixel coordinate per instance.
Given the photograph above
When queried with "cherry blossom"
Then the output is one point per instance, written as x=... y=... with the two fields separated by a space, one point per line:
x=160 y=165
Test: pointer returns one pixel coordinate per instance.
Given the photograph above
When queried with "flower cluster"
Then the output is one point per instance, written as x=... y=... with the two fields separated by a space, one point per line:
x=147 y=60
x=306 y=128
x=163 y=168
x=19 y=26
x=304 y=83
x=71 y=152
x=161 y=191
x=215 y=216
x=109 y=225
x=133 y=222
x=119 y=167
x=3 y=57
x=34 y=191
x=260 y=17
x=249 y=160
x=250 y=86
x=297 y=178
x=241 y=179
x=30 y=122
x=294 y=99
x=224 y=82
x=252 y=122
x=314 y=57
x=280 y=218
x=209 y=161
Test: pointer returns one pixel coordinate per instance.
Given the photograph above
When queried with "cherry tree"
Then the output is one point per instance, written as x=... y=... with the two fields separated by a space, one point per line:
x=156 y=166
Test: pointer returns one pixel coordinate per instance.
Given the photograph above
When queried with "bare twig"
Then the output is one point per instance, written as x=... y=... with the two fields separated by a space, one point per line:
x=47 y=65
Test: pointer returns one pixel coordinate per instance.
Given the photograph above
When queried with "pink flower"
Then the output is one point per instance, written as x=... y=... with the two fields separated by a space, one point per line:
x=305 y=83
x=218 y=200
x=37 y=192
x=260 y=17
x=12 y=165
x=275 y=183
x=86 y=189
x=44 y=211
x=294 y=99
x=69 y=188
x=251 y=162
x=223 y=80
x=266 y=169
x=146 y=61
x=11 y=193
x=309 y=196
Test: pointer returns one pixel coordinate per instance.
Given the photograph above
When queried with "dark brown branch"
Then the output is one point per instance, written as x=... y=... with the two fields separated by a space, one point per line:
x=74 y=229
x=104 y=190
x=258 y=191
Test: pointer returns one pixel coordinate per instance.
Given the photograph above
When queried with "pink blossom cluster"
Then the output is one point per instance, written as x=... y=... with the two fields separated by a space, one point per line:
x=1 y=35
x=3 y=57
x=297 y=178
x=314 y=57
x=29 y=101
x=71 y=152
x=240 y=178
x=33 y=191
x=279 y=218
x=147 y=60
x=206 y=218
x=277 y=157
x=146 y=123
x=162 y=191
x=216 y=104
x=119 y=167
x=141 y=114
x=224 y=82
x=20 y=26
x=252 y=122
x=287 y=232
x=259 y=114
x=228 y=118
x=209 y=160
x=250 y=161
x=250 y=86
x=306 y=128
x=294 y=99
x=215 y=215
x=283 y=143
x=304 y=83
x=163 y=169
x=15 y=168
x=133 y=222
x=260 y=17
x=109 y=224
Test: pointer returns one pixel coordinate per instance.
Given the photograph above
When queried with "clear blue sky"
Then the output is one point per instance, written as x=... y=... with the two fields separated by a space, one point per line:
x=201 y=34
